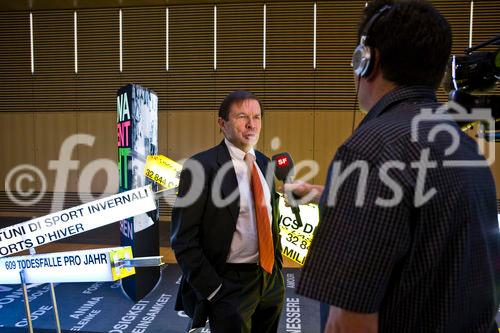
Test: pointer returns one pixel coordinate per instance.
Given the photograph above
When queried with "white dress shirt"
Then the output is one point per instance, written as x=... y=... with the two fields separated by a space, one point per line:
x=245 y=243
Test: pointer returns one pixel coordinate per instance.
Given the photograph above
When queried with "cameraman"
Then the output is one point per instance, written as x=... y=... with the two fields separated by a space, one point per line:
x=405 y=243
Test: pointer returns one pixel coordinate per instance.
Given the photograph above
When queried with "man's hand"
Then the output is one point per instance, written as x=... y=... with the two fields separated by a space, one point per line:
x=305 y=192
x=343 y=321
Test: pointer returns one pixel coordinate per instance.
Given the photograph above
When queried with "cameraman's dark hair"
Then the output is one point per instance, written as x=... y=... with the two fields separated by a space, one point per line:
x=235 y=97
x=414 y=41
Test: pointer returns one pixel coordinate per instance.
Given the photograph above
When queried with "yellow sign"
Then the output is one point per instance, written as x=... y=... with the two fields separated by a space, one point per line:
x=296 y=239
x=120 y=254
x=163 y=170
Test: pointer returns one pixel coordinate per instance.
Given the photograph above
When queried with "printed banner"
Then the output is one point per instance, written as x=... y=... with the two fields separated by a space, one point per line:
x=296 y=240
x=95 y=265
x=163 y=171
x=73 y=221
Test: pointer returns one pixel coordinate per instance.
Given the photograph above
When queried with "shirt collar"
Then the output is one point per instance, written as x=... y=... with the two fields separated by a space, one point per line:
x=398 y=95
x=235 y=152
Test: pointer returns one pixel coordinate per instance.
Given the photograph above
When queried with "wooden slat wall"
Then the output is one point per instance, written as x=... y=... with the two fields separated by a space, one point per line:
x=51 y=130
x=337 y=38
x=191 y=79
x=16 y=84
x=98 y=77
x=18 y=146
x=308 y=109
x=162 y=131
x=239 y=55
x=144 y=50
x=334 y=81
x=54 y=86
x=289 y=77
x=102 y=126
x=330 y=131
x=189 y=132
x=295 y=131
x=486 y=20
x=289 y=80
x=239 y=49
x=457 y=12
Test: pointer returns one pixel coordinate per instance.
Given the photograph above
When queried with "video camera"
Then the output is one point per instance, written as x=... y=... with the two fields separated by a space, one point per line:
x=468 y=77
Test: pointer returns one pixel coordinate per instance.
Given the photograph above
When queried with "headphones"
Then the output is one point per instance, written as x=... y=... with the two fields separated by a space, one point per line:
x=363 y=57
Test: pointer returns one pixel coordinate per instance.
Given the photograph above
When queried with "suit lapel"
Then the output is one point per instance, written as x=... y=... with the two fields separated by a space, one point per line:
x=263 y=165
x=230 y=183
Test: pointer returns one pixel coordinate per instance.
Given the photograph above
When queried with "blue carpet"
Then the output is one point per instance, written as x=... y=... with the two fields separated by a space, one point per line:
x=103 y=307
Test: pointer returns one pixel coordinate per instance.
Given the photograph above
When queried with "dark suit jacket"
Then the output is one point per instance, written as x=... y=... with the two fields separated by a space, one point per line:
x=201 y=233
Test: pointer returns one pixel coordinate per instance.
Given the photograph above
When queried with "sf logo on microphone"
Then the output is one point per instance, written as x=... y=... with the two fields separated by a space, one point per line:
x=282 y=162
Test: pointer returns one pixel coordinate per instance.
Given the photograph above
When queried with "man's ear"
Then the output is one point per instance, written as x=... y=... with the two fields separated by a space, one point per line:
x=221 y=121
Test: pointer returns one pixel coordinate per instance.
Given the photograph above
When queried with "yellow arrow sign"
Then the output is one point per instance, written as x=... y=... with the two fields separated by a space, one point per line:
x=163 y=171
x=118 y=272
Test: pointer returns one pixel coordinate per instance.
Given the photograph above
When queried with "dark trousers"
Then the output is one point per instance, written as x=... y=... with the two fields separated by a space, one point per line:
x=250 y=301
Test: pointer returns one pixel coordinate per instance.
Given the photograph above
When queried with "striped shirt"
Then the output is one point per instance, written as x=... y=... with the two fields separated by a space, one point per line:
x=419 y=245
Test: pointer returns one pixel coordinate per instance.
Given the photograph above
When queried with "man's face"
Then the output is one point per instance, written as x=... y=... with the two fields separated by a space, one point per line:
x=242 y=128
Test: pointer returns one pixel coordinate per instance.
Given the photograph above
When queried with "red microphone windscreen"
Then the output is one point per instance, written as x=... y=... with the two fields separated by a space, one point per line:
x=284 y=166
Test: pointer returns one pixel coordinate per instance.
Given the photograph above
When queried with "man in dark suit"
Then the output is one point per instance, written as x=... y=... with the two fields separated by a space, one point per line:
x=225 y=229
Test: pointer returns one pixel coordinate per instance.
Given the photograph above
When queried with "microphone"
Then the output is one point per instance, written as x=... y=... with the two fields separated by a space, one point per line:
x=284 y=171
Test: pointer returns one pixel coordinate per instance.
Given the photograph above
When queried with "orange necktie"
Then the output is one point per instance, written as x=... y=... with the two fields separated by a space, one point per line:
x=266 y=250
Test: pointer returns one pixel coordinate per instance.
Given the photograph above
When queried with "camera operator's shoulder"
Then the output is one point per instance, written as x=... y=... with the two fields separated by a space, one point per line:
x=372 y=136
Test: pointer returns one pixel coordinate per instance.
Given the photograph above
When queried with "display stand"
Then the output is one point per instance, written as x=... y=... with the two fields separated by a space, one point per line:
x=26 y=301
x=137 y=127
x=54 y=304
x=24 y=285
x=154 y=261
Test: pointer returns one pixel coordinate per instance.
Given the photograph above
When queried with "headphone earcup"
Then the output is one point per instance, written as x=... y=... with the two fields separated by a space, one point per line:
x=361 y=60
